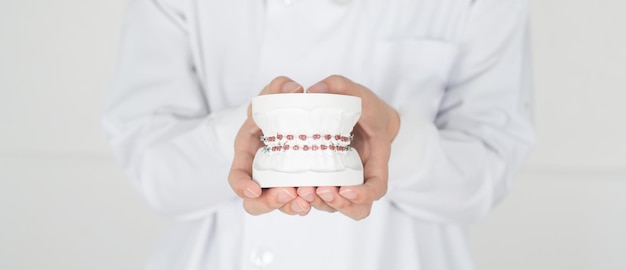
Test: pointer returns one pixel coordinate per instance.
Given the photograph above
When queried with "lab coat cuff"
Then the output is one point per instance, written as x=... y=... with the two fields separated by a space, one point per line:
x=409 y=148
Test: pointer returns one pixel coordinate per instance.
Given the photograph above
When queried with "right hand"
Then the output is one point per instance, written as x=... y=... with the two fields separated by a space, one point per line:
x=377 y=127
x=257 y=201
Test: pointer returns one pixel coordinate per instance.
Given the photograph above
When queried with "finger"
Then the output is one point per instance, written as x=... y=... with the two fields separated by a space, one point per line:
x=282 y=84
x=247 y=139
x=279 y=84
x=375 y=172
x=246 y=145
x=240 y=176
x=372 y=109
x=358 y=211
x=331 y=196
x=270 y=200
x=308 y=194
x=338 y=84
x=240 y=181
x=298 y=206
x=376 y=115
x=321 y=205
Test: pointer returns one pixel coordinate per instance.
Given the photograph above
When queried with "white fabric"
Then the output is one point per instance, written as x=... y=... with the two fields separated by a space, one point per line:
x=458 y=72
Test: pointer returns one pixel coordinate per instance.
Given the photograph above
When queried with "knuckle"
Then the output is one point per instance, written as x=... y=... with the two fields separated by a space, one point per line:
x=317 y=204
x=277 y=83
x=236 y=187
x=338 y=82
x=362 y=214
x=287 y=211
x=240 y=192
x=322 y=206
x=361 y=217
x=279 y=80
x=340 y=204
x=274 y=204
x=382 y=193
x=250 y=209
x=337 y=78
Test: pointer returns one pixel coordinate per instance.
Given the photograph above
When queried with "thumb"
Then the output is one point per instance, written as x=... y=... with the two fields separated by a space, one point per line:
x=282 y=84
x=337 y=84
x=319 y=87
x=291 y=87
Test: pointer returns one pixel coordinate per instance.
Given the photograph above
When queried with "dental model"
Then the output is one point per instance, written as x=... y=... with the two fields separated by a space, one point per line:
x=307 y=140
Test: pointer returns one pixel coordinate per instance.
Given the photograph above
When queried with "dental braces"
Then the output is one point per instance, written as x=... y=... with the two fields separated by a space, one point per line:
x=303 y=137
x=303 y=142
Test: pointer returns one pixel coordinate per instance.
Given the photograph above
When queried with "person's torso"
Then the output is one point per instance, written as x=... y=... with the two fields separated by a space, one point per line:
x=402 y=50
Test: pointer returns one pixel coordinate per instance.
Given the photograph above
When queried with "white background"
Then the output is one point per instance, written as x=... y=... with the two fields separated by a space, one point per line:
x=64 y=204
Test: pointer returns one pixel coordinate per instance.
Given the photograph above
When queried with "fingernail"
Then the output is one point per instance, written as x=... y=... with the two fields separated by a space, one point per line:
x=319 y=87
x=290 y=87
x=348 y=194
x=250 y=194
x=297 y=207
x=309 y=197
x=327 y=196
x=285 y=196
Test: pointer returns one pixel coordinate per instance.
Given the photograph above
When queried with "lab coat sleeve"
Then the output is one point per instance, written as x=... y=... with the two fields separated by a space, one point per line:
x=456 y=168
x=176 y=151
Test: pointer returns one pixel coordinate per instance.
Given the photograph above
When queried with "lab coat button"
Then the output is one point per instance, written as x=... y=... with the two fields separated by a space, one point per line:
x=261 y=257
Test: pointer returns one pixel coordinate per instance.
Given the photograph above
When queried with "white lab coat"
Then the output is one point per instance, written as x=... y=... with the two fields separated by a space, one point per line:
x=457 y=72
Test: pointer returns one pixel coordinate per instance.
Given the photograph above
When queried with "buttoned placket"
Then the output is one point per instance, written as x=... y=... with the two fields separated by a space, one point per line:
x=260 y=251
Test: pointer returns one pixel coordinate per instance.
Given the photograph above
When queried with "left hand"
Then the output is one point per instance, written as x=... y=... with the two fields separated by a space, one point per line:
x=257 y=201
x=373 y=134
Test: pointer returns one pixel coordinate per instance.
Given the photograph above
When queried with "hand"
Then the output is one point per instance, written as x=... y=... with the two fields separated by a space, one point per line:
x=373 y=134
x=258 y=201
